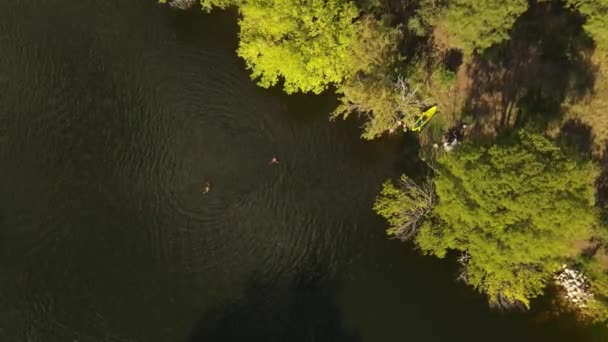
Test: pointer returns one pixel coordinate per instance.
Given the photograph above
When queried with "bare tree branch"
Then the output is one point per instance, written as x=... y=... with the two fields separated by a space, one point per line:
x=422 y=199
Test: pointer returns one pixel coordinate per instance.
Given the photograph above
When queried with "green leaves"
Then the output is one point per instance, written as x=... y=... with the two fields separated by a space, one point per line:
x=404 y=206
x=596 y=13
x=306 y=44
x=515 y=208
x=469 y=25
x=385 y=103
x=311 y=45
x=374 y=92
x=208 y=5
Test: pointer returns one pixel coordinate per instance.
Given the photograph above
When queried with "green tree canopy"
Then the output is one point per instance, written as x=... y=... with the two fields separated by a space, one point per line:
x=470 y=25
x=308 y=43
x=596 y=13
x=514 y=209
x=384 y=102
x=377 y=91
x=312 y=44
x=404 y=206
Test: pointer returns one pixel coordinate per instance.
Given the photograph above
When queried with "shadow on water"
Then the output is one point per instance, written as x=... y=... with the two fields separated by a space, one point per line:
x=299 y=309
x=188 y=25
x=408 y=159
x=433 y=306
x=527 y=78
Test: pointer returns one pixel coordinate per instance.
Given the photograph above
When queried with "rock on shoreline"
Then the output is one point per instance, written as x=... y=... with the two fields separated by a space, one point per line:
x=577 y=289
x=180 y=4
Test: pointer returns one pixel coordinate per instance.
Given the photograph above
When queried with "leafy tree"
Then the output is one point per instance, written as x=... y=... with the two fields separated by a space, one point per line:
x=376 y=91
x=514 y=209
x=375 y=49
x=596 y=272
x=313 y=44
x=404 y=206
x=386 y=104
x=596 y=12
x=425 y=16
x=306 y=43
x=469 y=25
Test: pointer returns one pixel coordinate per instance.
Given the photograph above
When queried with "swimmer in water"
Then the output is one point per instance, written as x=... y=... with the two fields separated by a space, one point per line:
x=206 y=187
x=274 y=160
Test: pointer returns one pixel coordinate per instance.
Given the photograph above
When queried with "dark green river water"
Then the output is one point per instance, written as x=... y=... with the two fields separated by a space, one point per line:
x=112 y=115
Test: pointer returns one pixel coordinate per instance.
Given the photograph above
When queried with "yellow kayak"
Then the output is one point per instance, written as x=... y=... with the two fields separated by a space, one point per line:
x=424 y=119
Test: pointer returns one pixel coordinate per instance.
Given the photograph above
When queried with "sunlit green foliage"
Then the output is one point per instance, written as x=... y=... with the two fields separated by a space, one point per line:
x=515 y=209
x=426 y=15
x=376 y=91
x=384 y=103
x=596 y=14
x=375 y=49
x=469 y=25
x=596 y=272
x=208 y=5
x=308 y=44
x=404 y=206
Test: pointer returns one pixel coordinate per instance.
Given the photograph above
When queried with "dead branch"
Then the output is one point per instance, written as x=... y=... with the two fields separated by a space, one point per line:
x=423 y=198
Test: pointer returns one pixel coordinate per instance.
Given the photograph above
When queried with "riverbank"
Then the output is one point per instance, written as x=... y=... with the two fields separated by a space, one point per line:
x=389 y=61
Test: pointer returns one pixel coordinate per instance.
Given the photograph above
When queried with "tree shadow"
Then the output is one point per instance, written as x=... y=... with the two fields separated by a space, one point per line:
x=408 y=160
x=526 y=79
x=295 y=310
x=453 y=59
x=601 y=187
x=400 y=10
x=577 y=138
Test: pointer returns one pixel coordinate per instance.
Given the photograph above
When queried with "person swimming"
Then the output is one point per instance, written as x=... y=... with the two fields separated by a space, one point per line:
x=206 y=187
x=274 y=160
